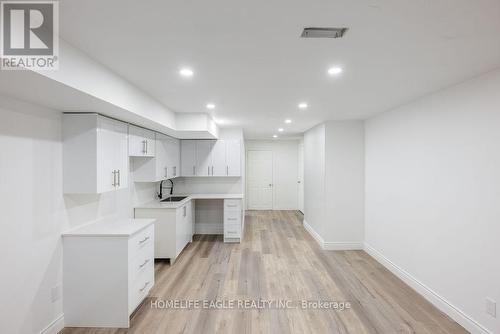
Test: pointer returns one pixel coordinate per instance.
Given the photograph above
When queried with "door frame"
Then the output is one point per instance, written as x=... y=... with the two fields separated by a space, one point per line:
x=247 y=169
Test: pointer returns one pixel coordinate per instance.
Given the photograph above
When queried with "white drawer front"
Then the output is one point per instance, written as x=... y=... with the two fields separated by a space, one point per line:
x=142 y=241
x=232 y=204
x=232 y=230
x=140 y=286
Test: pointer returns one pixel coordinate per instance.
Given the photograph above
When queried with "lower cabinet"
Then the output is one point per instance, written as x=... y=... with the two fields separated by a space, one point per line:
x=174 y=228
x=233 y=220
x=106 y=277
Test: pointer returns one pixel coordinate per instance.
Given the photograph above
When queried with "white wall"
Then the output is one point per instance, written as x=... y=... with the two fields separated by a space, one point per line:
x=433 y=195
x=344 y=182
x=285 y=170
x=334 y=185
x=314 y=178
x=34 y=212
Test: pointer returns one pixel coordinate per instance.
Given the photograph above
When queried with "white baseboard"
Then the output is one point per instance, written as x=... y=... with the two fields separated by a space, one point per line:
x=328 y=245
x=55 y=326
x=342 y=245
x=441 y=303
x=208 y=228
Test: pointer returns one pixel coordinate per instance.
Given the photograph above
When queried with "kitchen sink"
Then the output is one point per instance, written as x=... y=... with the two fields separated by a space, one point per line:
x=173 y=199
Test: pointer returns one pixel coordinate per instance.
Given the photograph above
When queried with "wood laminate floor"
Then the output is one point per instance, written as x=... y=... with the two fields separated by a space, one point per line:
x=278 y=260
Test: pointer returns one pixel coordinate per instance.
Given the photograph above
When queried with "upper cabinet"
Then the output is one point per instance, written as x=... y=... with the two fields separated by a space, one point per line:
x=95 y=158
x=211 y=158
x=165 y=164
x=188 y=157
x=233 y=157
x=141 y=141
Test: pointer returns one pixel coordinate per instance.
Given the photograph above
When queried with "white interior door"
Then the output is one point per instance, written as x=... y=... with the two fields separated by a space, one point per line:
x=300 y=179
x=260 y=180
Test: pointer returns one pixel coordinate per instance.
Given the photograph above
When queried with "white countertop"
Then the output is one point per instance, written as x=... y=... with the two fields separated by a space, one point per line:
x=116 y=228
x=174 y=205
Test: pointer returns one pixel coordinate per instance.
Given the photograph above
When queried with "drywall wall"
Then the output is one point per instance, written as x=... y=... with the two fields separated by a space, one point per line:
x=314 y=179
x=34 y=212
x=433 y=197
x=344 y=184
x=285 y=170
x=334 y=185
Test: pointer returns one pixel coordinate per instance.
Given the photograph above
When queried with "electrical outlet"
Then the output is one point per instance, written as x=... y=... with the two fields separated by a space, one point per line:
x=55 y=293
x=491 y=307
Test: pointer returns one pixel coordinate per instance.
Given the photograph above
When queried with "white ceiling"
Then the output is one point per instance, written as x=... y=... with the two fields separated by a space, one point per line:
x=249 y=60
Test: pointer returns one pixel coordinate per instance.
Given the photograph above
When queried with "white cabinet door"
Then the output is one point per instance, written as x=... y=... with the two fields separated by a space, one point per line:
x=188 y=157
x=204 y=157
x=173 y=157
x=219 y=166
x=162 y=157
x=233 y=158
x=141 y=142
x=113 y=158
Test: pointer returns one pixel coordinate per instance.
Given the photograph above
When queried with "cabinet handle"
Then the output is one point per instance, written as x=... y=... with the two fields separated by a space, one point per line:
x=144 y=287
x=208 y=170
x=194 y=170
x=184 y=211
x=232 y=205
x=145 y=262
x=143 y=240
x=227 y=170
x=175 y=170
x=119 y=183
x=114 y=179
x=212 y=170
x=146 y=146
x=166 y=171
x=231 y=219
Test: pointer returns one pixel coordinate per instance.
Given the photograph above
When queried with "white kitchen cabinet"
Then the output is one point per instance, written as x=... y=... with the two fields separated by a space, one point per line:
x=173 y=228
x=95 y=158
x=108 y=270
x=164 y=165
x=219 y=165
x=141 y=142
x=204 y=166
x=233 y=220
x=211 y=158
x=233 y=158
x=188 y=157
x=173 y=157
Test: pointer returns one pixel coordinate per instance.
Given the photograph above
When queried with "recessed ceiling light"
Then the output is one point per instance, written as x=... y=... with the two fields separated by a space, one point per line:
x=334 y=70
x=288 y=121
x=210 y=106
x=186 y=72
x=281 y=129
x=275 y=136
x=303 y=105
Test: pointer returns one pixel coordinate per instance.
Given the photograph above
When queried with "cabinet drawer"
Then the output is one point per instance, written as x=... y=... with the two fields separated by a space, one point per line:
x=232 y=228
x=232 y=233
x=140 y=286
x=142 y=242
x=232 y=204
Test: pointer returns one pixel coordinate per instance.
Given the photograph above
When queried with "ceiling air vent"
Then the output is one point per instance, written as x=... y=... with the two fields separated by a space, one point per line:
x=323 y=32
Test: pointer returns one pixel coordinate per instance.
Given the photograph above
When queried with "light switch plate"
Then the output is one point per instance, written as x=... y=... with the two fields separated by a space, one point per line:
x=491 y=307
